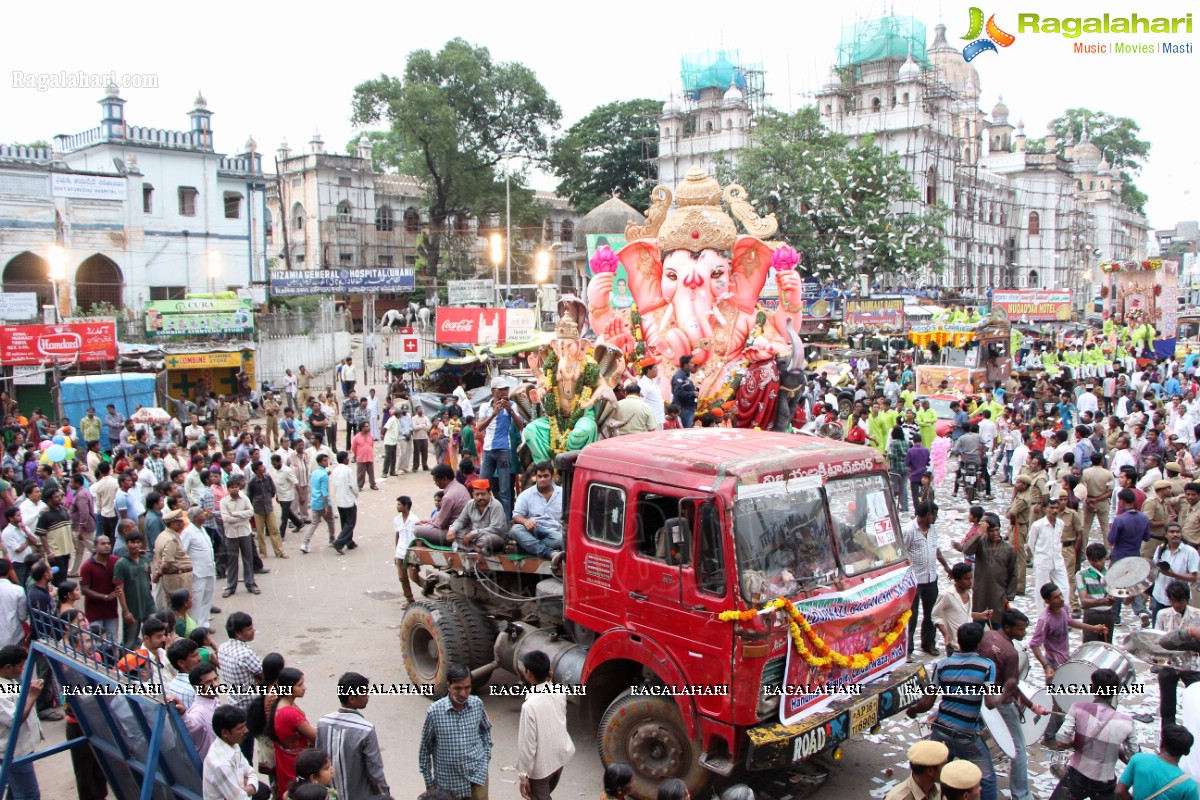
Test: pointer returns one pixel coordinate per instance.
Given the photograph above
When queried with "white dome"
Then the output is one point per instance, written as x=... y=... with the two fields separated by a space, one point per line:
x=251 y=144
x=200 y=102
x=733 y=96
x=834 y=81
x=1086 y=154
x=909 y=71
x=670 y=108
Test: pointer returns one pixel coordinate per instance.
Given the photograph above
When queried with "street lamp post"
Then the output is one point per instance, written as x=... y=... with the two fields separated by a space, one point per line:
x=496 y=252
x=214 y=272
x=58 y=273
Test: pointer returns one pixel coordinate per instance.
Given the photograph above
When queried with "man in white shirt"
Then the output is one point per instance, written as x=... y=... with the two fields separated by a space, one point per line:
x=1122 y=456
x=988 y=433
x=285 y=494
x=343 y=486
x=199 y=548
x=227 y=773
x=651 y=390
x=289 y=389
x=1019 y=457
x=1088 y=402
x=14 y=608
x=22 y=780
x=464 y=402
x=1153 y=475
x=1045 y=542
x=544 y=745
x=404 y=523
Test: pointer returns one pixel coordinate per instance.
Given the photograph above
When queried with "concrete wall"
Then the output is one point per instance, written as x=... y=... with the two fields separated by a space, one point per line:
x=275 y=355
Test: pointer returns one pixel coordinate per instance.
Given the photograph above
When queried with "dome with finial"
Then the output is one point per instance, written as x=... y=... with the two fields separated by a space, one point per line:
x=608 y=218
x=200 y=102
x=1103 y=166
x=670 y=108
x=909 y=71
x=1000 y=112
x=834 y=81
x=251 y=145
x=733 y=97
x=112 y=91
x=951 y=66
x=1086 y=154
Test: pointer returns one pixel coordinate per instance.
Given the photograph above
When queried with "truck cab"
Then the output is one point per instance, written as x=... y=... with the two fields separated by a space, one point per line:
x=665 y=531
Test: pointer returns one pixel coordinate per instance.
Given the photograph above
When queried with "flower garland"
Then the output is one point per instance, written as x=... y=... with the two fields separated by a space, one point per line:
x=825 y=655
x=560 y=427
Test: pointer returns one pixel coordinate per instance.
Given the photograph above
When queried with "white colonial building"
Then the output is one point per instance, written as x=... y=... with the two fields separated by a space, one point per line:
x=143 y=213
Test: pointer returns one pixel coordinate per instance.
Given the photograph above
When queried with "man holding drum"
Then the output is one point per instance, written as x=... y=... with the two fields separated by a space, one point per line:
x=1175 y=617
x=1100 y=735
x=1129 y=530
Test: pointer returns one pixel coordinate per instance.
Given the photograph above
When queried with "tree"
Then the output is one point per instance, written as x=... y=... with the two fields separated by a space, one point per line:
x=454 y=115
x=611 y=150
x=847 y=209
x=1117 y=138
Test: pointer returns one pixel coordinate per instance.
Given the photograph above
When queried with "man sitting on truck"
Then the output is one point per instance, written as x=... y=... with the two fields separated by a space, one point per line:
x=481 y=525
x=537 y=516
x=455 y=498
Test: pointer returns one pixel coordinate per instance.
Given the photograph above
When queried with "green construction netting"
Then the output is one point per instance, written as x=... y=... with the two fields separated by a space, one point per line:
x=886 y=37
x=719 y=68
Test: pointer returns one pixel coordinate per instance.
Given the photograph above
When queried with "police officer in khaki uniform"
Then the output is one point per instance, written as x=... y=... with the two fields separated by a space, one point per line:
x=925 y=761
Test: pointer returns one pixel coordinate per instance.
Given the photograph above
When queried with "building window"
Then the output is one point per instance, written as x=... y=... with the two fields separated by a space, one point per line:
x=383 y=219
x=344 y=182
x=187 y=201
x=931 y=193
x=344 y=211
x=147 y=198
x=876 y=104
x=708 y=127
x=1035 y=223
x=297 y=217
x=168 y=292
x=346 y=258
x=566 y=231
x=386 y=260
x=299 y=258
x=828 y=108
x=1033 y=278
x=233 y=205
x=297 y=183
x=269 y=225
x=906 y=98
x=412 y=221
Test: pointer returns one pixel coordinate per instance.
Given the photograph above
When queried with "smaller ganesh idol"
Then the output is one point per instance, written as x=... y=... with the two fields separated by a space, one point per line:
x=695 y=283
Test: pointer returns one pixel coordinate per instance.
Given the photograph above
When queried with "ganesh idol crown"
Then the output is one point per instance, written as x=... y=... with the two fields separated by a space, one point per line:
x=696 y=282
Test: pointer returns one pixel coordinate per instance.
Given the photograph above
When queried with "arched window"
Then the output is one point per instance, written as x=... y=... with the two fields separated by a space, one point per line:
x=384 y=220
x=1035 y=223
x=1033 y=278
x=828 y=108
x=906 y=98
x=344 y=211
x=412 y=220
x=931 y=192
x=876 y=104
x=1092 y=186
x=708 y=126
x=566 y=231
x=297 y=217
x=728 y=123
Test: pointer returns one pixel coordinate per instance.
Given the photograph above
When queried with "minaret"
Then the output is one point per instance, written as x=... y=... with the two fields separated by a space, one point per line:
x=112 y=123
x=202 y=134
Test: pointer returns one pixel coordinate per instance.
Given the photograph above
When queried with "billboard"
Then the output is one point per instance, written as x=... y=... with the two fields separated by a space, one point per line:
x=876 y=312
x=470 y=293
x=195 y=316
x=86 y=342
x=294 y=282
x=87 y=187
x=470 y=326
x=18 y=305
x=1032 y=305
x=620 y=297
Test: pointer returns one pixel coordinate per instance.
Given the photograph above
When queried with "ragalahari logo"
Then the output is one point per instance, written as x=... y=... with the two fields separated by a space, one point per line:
x=995 y=36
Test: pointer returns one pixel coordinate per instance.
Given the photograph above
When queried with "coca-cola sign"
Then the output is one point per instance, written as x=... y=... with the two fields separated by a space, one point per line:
x=470 y=325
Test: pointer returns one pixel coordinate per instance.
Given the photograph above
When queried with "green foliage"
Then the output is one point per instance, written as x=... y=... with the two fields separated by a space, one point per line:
x=1117 y=138
x=846 y=209
x=42 y=143
x=388 y=151
x=453 y=116
x=611 y=150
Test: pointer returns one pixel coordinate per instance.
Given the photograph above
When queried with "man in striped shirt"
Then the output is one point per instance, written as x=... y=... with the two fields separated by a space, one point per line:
x=961 y=680
x=351 y=743
x=1099 y=735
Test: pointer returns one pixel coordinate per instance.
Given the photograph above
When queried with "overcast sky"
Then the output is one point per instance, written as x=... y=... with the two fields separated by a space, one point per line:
x=289 y=70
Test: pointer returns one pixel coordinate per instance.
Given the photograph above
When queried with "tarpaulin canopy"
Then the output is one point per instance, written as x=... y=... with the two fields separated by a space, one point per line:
x=434 y=364
x=540 y=339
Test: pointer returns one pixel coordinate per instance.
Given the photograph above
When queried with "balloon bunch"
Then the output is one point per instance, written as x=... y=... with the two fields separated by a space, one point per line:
x=57 y=450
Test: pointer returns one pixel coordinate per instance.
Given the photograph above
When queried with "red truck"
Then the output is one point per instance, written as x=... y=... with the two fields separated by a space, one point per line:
x=663 y=532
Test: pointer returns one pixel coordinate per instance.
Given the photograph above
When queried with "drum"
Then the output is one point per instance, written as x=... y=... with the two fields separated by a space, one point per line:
x=1129 y=577
x=1073 y=680
x=996 y=731
x=1022 y=661
x=1151 y=646
x=1032 y=725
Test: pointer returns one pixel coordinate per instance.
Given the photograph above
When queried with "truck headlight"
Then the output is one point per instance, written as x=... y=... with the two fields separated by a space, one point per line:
x=768 y=693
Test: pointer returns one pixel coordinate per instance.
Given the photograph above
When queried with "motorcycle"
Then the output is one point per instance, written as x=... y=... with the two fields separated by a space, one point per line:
x=969 y=472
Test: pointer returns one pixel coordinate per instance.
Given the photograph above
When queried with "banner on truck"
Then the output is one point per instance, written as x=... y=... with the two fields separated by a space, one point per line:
x=1032 y=305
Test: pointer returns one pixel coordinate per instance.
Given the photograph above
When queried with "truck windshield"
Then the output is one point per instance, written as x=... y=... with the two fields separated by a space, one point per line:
x=783 y=543
x=861 y=510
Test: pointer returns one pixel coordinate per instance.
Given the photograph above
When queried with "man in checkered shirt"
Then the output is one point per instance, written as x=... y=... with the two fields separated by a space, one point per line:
x=1099 y=735
x=456 y=741
x=240 y=667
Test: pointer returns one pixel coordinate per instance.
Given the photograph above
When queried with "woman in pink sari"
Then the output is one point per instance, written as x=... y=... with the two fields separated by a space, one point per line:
x=939 y=454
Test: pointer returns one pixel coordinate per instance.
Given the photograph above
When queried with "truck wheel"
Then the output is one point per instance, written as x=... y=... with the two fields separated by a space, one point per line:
x=648 y=734
x=845 y=406
x=480 y=631
x=431 y=639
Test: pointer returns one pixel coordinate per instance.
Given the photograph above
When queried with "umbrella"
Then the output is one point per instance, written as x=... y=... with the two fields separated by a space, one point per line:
x=151 y=415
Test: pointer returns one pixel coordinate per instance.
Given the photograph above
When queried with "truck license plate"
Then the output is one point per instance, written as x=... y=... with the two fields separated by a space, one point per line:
x=864 y=716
